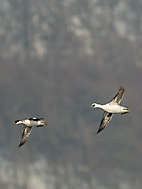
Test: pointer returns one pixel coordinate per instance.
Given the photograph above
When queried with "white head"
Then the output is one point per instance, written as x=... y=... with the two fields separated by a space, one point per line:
x=94 y=105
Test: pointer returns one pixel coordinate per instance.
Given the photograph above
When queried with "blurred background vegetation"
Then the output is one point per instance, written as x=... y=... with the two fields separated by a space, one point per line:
x=56 y=58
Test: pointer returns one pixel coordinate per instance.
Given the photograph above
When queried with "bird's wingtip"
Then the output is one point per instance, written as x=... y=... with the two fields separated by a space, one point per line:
x=21 y=144
x=99 y=130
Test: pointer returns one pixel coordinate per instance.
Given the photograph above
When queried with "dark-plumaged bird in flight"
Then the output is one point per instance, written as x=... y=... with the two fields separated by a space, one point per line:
x=28 y=125
x=113 y=107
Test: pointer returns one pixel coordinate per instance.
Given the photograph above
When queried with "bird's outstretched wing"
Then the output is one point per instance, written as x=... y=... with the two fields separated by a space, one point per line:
x=118 y=96
x=105 y=120
x=26 y=133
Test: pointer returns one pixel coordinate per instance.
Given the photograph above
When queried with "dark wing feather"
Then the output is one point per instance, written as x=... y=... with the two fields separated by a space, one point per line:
x=26 y=133
x=105 y=120
x=118 y=96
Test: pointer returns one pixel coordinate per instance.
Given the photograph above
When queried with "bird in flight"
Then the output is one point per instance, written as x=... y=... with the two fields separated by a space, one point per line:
x=113 y=107
x=28 y=125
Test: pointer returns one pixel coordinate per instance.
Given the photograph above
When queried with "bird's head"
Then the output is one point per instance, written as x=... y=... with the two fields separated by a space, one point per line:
x=18 y=122
x=93 y=105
